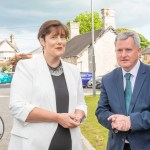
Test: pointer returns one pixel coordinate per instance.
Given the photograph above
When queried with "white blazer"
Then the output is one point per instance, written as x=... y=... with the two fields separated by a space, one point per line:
x=32 y=87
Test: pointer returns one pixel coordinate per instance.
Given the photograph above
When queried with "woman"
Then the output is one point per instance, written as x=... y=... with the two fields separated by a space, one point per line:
x=46 y=99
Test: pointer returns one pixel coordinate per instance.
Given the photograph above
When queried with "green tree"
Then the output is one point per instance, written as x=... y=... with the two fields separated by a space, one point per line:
x=5 y=68
x=85 y=20
x=143 y=41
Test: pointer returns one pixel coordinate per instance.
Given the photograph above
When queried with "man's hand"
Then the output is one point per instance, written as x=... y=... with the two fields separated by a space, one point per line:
x=120 y=122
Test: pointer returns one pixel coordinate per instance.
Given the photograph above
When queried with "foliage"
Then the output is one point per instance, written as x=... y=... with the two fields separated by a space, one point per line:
x=5 y=68
x=143 y=41
x=85 y=20
x=95 y=133
x=14 y=60
x=122 y=29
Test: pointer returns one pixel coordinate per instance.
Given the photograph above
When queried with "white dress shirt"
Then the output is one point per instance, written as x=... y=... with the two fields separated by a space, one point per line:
x=133 y=72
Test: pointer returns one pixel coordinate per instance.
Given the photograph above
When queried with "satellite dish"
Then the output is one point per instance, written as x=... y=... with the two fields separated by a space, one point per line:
x=1 y=128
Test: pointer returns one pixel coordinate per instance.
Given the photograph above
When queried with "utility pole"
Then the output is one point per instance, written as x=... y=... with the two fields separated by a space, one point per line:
x=93 y=54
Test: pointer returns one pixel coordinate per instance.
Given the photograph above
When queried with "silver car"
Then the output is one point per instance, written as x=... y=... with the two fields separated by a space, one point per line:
x=97 y=82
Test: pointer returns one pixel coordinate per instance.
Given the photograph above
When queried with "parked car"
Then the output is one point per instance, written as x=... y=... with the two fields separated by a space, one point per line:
x=85 y=76
x=5 y=77
x=97 y=82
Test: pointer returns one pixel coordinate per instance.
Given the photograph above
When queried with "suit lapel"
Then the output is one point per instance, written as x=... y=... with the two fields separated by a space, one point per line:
x=138 y=85
x=120 y=89
x=70 y=85
x=47 y=83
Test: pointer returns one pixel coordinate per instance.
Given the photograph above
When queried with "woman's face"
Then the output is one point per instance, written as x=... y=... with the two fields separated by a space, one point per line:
x=54 y=43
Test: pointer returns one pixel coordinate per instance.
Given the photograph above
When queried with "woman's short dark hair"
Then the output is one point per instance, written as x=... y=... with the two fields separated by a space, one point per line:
x=48 y=26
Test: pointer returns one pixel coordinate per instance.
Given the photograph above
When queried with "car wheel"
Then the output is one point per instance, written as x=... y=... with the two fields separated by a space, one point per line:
x=98 y=86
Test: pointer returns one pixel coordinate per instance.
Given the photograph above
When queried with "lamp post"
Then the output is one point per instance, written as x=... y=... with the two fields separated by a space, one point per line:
x=93 y=54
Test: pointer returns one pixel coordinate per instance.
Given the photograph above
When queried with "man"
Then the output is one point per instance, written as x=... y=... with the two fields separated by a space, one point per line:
x=124 y=105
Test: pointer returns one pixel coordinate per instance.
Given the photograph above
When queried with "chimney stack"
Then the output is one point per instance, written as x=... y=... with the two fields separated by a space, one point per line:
x=74 y=29
x=108 y=18
x=12 y=39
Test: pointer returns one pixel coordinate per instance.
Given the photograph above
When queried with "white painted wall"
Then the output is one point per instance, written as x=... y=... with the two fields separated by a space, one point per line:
x=82 y=61
x=105 y=56
x=6 y=47
x=108 y=17
x=6 y=51
x=6 y=56
x=74 y=29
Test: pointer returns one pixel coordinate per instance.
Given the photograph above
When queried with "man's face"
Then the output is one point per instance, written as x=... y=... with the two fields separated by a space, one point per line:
x=127 y=53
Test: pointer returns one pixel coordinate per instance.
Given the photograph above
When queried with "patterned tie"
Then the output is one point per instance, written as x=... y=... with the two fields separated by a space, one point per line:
x=128 y=91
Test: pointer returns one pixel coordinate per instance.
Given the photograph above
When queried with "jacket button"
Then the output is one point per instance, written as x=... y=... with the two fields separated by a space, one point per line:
x=123 y=139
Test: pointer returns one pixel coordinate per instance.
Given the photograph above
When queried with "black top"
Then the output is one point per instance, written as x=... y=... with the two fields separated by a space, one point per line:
x=62 y=138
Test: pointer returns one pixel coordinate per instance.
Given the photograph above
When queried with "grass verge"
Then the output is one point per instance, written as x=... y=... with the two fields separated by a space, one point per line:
x=91 y=129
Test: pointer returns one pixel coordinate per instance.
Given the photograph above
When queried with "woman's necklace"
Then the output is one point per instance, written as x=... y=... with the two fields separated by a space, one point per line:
x=56 y=71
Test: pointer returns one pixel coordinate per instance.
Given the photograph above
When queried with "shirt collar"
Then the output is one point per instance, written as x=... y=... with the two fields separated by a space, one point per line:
x=134 y=70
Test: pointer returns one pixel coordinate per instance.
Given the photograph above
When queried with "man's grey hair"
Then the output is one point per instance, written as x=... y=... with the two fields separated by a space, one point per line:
x=125 y=35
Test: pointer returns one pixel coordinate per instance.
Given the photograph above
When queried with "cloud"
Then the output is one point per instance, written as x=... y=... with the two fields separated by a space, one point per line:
x=133 y=15
x=26 y=40
x=144 y=30
x=24 y=17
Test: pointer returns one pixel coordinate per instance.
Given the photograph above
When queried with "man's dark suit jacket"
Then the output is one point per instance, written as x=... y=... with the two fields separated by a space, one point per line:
x=112 y=102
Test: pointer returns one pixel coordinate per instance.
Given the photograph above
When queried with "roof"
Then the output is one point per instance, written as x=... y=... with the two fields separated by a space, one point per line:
x=146 y=51
x=9 y=43
x=80 y=42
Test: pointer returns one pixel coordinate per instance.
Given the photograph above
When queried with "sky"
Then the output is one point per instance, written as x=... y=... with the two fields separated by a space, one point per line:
x=22 y=18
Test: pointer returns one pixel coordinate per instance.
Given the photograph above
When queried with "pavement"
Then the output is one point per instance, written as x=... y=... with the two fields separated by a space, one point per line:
x=4 y=113
x=7 y=118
